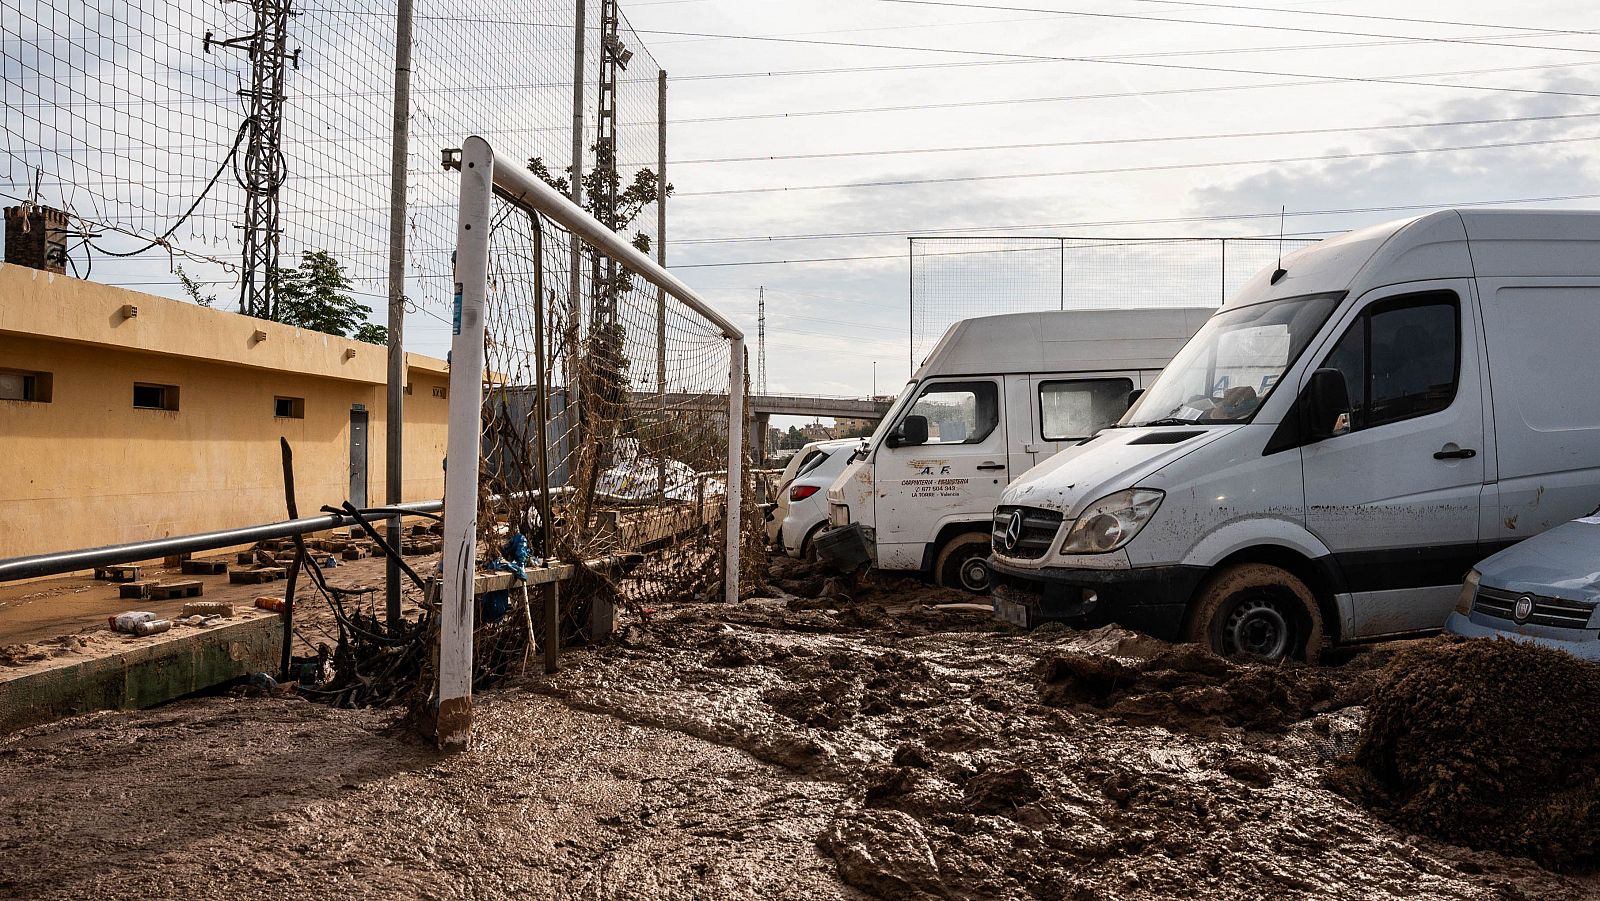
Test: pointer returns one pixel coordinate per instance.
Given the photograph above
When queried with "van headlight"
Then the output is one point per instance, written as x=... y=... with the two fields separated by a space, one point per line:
x=1469 y=591
x=1112 y=521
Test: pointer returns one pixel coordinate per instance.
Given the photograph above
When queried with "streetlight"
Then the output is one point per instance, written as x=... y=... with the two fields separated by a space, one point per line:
x=874 y=379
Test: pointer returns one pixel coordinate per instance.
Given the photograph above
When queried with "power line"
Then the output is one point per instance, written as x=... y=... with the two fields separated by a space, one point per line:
x=1144 y=140
x=997 y=54
x=1108 y=223
x=1114 y=95
x=1481 y=42
x=1318 y=12
x=905 y=182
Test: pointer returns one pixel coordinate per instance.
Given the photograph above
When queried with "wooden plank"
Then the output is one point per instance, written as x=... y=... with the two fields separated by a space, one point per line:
x=256 y=575
x=135 y=591
x=166 y=591
x=121 y=572
x=204 y=567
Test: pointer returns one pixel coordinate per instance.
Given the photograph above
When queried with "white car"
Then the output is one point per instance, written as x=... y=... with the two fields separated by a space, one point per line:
x=803 y=493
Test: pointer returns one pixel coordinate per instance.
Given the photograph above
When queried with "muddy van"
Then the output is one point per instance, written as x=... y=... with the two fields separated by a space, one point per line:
x=1328 y=457
x=996 y=395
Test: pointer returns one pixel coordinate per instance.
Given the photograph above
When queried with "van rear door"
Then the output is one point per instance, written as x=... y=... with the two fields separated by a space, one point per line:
x=1397 y=498
x=1543 y=366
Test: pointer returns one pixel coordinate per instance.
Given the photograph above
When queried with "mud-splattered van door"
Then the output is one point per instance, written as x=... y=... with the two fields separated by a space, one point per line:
x=957 y=475
x=1396 y=499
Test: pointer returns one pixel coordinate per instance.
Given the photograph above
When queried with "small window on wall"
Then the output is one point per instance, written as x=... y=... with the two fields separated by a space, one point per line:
x=1071 y=410
x=33 y=387
x=155 y=397
x=289 y=407
x=439 y=392
x=959 y=412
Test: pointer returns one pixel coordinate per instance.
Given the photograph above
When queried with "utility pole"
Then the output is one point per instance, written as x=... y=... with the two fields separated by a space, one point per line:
x=394 y=422
x=761 y=341
x=575 y=279
x=661 y=241
x=263 y=167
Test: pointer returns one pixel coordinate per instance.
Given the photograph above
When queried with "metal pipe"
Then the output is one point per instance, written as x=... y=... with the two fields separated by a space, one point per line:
x=458 y=565
x=734 y=493
x=55 y=564
x=522 y=187
x=551 y=593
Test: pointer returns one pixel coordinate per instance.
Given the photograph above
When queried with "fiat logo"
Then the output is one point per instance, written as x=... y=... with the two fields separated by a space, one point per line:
x=1014 y=530
x=1524 y=609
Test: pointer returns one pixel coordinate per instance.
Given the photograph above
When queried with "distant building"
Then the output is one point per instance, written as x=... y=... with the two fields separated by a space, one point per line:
x=126 y=417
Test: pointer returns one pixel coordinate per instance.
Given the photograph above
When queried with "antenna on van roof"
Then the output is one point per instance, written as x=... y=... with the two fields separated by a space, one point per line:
x=1280 y=272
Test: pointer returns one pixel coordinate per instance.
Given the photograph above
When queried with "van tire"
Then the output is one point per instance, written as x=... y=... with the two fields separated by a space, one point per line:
x=963 y=563
x=1256 y=610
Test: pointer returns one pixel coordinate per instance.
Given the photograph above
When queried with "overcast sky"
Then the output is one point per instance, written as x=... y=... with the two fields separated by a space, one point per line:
x=984 y=68
x=1131 y=118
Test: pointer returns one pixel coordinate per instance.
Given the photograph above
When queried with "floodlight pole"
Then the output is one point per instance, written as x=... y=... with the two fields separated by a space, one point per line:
x=453 y=713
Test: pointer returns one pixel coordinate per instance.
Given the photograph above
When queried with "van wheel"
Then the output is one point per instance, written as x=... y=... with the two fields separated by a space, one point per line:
x=964 y=564
x=1259 y=611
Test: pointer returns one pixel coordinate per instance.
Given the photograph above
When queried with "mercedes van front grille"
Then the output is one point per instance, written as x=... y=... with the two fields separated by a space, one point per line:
x=1033 y=540
x=1547 y=611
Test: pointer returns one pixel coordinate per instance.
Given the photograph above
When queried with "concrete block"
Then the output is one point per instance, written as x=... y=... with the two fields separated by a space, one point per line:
x=128 y=673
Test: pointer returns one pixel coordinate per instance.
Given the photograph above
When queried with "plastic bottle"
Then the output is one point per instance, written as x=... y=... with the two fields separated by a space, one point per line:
x=127 y=622
x=151 y=627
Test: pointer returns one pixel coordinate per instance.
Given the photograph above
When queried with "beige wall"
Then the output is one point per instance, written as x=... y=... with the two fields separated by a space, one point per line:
x=88 y=469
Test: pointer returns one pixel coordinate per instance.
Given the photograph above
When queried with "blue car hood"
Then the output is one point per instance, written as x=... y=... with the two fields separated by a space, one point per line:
x=1563 y=562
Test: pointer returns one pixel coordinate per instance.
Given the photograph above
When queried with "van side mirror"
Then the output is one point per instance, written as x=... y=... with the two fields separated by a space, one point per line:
x=1327 y=404
x=1133 y=397
x=913 y=431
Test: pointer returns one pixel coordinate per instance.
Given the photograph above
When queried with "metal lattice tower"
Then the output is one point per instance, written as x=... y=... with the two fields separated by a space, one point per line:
x=761 y=341
x=264 y=168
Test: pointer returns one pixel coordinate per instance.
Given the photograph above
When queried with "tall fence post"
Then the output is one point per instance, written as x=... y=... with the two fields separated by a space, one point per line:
x=458 y=566
x=911 y=304
x=735 y=492
x=574 y=276
x=1062 y=304
x=394 y=431
x=1223 y=299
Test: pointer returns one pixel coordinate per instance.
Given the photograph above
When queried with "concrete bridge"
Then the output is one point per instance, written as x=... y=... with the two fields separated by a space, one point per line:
x=780 y=404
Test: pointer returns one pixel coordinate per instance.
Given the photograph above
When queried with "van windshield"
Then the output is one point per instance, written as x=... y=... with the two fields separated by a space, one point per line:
x=1229 y=367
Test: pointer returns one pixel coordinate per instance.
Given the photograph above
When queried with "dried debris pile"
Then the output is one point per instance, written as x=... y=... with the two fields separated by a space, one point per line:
x=1492 y=744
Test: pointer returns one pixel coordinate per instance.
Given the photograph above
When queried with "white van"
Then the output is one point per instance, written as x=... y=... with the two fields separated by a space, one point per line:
x=1328 y=457
x=996 y=395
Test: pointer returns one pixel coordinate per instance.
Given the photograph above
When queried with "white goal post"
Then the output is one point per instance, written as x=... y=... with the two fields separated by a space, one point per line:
x=483 y=176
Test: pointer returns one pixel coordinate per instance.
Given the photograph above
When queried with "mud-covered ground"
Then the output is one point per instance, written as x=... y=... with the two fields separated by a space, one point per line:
x=832 y=742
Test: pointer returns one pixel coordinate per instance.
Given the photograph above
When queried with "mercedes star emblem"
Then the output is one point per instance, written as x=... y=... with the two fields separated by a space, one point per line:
x=1014 y=530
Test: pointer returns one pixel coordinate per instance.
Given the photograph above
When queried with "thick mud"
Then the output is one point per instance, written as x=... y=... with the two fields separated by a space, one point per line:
x=833 y=740
x=1493 y=744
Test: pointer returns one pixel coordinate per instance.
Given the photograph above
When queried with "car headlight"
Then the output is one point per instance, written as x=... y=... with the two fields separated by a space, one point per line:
x=1112 y=521
x=1469 y=591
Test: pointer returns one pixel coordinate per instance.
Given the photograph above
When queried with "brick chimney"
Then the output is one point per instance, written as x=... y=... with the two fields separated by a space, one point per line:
x=36 y=236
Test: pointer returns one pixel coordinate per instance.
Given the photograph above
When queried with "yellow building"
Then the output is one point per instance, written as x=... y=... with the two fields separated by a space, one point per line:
x=126 y=417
